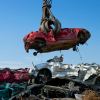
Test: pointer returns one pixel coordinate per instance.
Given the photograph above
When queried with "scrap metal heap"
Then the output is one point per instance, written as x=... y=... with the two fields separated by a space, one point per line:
x=52 y=79
x=54 y=68
x=48 y=80
x=51 y=37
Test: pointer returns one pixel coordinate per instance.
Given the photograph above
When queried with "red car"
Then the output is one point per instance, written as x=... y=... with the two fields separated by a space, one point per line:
x=66 y=39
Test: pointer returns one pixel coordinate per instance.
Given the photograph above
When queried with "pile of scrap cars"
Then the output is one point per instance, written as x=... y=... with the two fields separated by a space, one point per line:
x=53 y=79
x=50 y=80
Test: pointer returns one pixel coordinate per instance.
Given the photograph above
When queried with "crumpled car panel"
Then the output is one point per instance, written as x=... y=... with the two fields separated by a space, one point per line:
x=66 y=39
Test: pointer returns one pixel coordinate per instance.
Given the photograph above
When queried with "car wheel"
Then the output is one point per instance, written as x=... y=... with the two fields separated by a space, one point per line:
x=83 y=36
x=43 y=76
x=35 y=53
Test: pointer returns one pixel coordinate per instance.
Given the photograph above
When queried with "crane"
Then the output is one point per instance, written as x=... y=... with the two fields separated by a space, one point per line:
x=49 y=21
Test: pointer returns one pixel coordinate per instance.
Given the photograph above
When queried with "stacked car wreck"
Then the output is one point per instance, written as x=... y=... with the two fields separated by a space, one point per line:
x=52 y=79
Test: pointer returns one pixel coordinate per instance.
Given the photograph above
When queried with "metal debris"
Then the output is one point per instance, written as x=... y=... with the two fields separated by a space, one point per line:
x=50 y=81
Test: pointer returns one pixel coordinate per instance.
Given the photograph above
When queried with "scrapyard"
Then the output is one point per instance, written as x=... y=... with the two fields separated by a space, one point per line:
x=53 y=79
x=50 y=81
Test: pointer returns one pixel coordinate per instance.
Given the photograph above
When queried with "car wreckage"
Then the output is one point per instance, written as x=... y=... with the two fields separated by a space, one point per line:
x=67 y=38
x=52 y=79
x=87 y=74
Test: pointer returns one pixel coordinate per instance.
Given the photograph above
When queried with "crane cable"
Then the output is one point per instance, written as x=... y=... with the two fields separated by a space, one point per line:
x=48 y=20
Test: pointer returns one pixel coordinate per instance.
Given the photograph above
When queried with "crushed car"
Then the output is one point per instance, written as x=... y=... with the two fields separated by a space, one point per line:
x=88 y=74
x=53 y=68
x=10 y=76
x=67 y=38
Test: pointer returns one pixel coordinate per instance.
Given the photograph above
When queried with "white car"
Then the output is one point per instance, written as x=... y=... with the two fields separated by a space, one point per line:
x=53 y=68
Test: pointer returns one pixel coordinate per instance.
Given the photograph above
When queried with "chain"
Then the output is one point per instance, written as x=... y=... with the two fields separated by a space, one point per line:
x=81 y=58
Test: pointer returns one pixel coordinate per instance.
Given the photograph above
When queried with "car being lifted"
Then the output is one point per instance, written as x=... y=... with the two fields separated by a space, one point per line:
x=67 y=38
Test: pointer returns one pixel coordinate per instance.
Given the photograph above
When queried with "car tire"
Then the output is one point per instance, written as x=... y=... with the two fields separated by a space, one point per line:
x=43 y=76
x=83 y=36
x=35 y=53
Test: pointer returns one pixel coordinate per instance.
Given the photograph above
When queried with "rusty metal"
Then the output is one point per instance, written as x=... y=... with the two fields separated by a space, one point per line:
x=91 y=95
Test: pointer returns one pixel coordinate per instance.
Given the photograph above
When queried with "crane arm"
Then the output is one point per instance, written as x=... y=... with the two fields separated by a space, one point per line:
x=48 y=19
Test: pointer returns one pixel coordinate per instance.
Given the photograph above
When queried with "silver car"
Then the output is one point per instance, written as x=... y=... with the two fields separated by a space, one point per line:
x=53 y=68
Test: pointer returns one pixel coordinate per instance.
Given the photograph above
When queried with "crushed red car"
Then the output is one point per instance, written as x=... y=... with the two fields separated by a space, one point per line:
x=7 y=75
x=21 y=76
x=66 y=39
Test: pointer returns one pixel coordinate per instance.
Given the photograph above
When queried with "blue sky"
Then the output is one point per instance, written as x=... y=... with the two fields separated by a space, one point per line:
x=19 y=17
